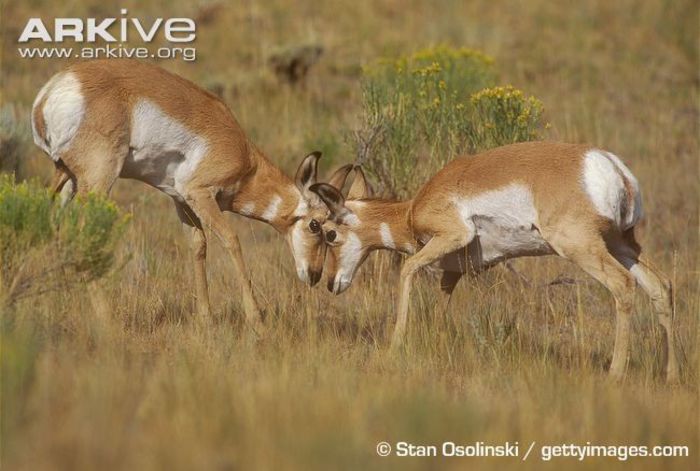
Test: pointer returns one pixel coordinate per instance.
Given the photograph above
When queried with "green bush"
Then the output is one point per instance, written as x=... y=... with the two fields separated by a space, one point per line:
x=44 y=246
x=15 y=138
x=421 y=110
x=25 y=216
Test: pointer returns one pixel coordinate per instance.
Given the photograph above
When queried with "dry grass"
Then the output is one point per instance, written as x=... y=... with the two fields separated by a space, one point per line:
x=143 y=385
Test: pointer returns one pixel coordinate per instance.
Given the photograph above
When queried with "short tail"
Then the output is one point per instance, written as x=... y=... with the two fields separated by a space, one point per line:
x=631 y=208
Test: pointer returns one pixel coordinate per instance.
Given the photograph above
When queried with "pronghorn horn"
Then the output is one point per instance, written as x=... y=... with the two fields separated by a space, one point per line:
x=359 y=188
x=306 y=173
x=338 y=178
x=331 y=197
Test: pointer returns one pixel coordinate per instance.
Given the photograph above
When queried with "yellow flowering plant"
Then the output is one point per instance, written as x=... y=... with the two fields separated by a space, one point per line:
x=421 y=110
x=504 y=115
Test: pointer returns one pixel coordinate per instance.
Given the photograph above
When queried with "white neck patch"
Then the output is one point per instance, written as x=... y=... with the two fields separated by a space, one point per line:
x=387 y=238
x=351 y=220
x=302 y=207
x=272 y=209
x=247 y=209
x=350 y=254
x=298 y=248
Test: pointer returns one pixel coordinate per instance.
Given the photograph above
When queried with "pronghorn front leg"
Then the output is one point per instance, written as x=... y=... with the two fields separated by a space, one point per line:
x=436 y=248
x=206 y=208
x=199 y=257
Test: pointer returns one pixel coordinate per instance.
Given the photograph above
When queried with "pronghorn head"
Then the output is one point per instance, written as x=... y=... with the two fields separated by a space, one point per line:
x=347 y=230
x=305 y=234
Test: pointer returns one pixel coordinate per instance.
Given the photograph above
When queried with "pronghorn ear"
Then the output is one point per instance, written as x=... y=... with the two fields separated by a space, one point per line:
x=359 y=188
x=338 y=178
x=331 y=197
x=306 y=173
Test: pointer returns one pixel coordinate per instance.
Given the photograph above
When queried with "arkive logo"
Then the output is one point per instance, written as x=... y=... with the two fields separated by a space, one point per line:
x=41 y=39
x=175 y=30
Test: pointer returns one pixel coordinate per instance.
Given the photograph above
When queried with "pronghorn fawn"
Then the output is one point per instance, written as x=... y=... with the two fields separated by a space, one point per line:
x=527 y=199
x=103 y=120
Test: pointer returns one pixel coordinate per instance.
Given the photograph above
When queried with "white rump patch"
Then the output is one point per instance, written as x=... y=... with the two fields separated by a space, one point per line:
x=505 y=221
x=604 y=177
x=63 y=113
x=165 y=153
x=387 y=238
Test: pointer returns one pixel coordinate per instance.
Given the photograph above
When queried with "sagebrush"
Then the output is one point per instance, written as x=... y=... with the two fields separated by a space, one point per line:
x=45 y=246
x=420 y=111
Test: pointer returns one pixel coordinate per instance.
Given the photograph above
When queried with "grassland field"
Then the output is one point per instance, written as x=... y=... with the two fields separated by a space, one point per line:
x=142 y=384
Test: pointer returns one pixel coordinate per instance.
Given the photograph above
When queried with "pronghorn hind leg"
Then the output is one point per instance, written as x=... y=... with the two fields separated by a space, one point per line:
x=96 y=162
x=211 y=217
x=198 y=244
x=454 y=266
x=595 y=260
x=658 y=287
x=62 y=184
x=448 y=282
x=436 y=248
x=68 y=192
x=60 y=178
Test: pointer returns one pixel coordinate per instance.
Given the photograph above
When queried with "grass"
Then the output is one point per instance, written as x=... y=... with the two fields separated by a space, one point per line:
x=138 y=383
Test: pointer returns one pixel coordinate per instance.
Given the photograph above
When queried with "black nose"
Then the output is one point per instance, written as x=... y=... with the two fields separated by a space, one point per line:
x=314 y=277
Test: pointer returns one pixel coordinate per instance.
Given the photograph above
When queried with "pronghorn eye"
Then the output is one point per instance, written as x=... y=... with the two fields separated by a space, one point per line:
x=314 y=226
x=330 y=235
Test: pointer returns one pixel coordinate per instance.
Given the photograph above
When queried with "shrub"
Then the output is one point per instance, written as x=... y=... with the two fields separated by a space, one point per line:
x=421 y=110
x=15 y=137
x=503 y=115
x=44 y=246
